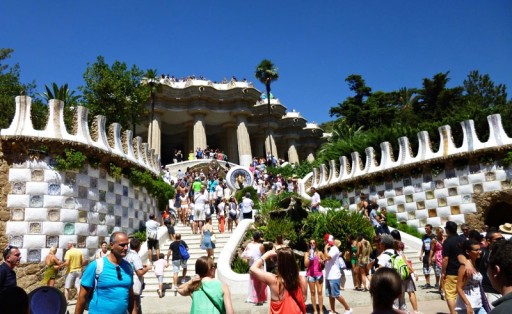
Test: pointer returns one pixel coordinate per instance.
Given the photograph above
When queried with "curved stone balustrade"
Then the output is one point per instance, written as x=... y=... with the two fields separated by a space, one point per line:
x=218 y=86
x=122 y=145
x=355 y=168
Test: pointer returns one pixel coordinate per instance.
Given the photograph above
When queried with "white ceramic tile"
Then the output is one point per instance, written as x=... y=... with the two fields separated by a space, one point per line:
x=37 y=188
x=458 y=219
x=429 y=204
x=418 y=196
x=22 y=175
x=468 y=208
x=465 y=189
x=441 y=193
x=52 y=176
x=53 y=201
x=434 y=221
x=444 y=211
x=400 y=199
x=53 y=228
x=492 y=186
x=454 y=200
x=14 y=201
x=34 y=241
x=476 y=178
x=68 y=215
x=16 y=228
x=422 y=214
x=36 y=214
x=81 y=229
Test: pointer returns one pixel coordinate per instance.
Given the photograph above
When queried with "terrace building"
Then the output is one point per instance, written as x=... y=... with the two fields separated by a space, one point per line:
x=232 y=116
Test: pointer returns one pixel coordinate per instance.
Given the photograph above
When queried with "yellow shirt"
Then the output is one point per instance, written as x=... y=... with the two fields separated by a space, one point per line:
x=75 y=258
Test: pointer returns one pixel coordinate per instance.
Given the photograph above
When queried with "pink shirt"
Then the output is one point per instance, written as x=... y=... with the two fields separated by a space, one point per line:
x=314 y=269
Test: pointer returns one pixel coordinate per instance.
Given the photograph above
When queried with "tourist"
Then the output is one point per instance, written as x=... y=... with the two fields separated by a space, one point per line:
x=246 y=206
x=364 y=249
x=207 y=236
x=112 y=288
x=184 y=204
x=385 y=288
x=424 y=257
x=139 y=270
x=469 y=297
x=52 y=266
x=315 y=200
x=209 y=295
x=168 y=221
x=492 y=294
x=342 y=265
x=384 y=221
x=257 y=289
x=152 y=237
x=314 y=263
x=333 y=275
x=200 y=203
x=221 y=212
x=352 y=241
x=500 y=273
x=449 y=273
x=102 y=251
x=73 y=260
x=363 y=206
x=177 y=260
x=375 y=217
x=288 y=290
x=436 y=258
x=233 y=214
x=158 y=268
x=14 y=300
x=465 y=231
x=408 y=284
x=12 y=257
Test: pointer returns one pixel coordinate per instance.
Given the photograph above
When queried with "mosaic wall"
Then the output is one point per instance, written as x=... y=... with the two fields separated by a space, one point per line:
x=433 y=200
x=49 y=208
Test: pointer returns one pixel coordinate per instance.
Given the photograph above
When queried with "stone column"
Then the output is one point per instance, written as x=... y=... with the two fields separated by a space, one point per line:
x=258 y=145
x=156 y=134
x=244 y=142
x=293 y=156
x=199 y=131
x=231 y=142
x=269 y=140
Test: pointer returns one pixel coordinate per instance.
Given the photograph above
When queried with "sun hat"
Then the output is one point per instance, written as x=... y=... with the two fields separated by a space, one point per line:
x=329 y=239
x=506 y=228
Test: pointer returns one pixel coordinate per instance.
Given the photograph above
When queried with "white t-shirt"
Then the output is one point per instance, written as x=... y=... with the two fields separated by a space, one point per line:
x=315 y=199
x=200 y=200
x=384 y=258
x=221 y=207
x=247 y=205
x=159 y=267
x=152 y=226
x=332 y=268
x=219 y=191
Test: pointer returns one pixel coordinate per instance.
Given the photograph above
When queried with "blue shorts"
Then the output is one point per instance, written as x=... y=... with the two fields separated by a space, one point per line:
x=176 y=264
x=332 y=288
x=315 y=278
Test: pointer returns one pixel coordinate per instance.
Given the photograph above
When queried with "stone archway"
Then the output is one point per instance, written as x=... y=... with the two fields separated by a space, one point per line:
x=493 y=209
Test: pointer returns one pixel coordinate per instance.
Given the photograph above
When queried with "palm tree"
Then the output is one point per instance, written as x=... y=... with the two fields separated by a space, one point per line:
x=152 y=80
x=64 y=94
x=266 y=73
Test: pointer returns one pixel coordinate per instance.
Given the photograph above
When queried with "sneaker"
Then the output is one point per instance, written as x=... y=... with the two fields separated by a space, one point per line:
x=159 y=293
x=349 y=311
x=427 y=286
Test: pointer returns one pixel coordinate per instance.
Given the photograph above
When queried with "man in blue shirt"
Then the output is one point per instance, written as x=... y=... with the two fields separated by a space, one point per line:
x=113 y=291
x=12 y=258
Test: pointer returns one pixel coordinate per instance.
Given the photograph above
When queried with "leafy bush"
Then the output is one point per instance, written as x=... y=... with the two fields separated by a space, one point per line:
x=240 y=266
x=115 y=171
x=156 y=187
x=330 y=203
x=140 y=235
x=70 y=160
x=339 y=223
x=281 y=226
x=241 y=193
x=402 y=226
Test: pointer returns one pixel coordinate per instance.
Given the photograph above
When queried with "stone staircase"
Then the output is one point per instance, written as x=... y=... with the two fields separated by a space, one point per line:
x=193 y=242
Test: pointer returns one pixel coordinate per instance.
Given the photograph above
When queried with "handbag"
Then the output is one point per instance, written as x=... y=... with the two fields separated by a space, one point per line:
x=213 y=239
x=485 y=302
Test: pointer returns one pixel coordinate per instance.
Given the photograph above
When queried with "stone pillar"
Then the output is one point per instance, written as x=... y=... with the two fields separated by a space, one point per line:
x=231 y=142
x=293 y=156
x=310 y=153
x=199 y=131
x=244 y=142
x=258 y=145
x=155 y=134
x=269 y=140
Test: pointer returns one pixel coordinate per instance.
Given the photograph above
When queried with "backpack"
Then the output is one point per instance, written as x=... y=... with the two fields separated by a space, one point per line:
x=99 y=269
x=183 y=252
x=400 y=265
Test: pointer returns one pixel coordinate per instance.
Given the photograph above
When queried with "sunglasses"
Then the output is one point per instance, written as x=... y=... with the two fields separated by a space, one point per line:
x=119 y=275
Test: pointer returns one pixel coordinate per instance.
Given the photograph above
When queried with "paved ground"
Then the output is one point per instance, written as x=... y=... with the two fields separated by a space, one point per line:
x=429 y=303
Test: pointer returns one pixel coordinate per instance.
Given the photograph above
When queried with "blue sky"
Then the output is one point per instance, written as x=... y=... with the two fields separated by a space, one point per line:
x=315 y=44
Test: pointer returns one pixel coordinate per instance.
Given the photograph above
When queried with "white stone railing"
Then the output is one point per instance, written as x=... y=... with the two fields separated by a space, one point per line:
x=198 y=82
x=111 y=140
x=355 y=167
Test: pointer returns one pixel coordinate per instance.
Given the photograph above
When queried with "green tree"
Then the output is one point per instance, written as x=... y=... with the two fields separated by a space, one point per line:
x=354 y=108
x=10 y=87
x=71 y=101
x=115 y=92
x=266 y=73
x=436 y=101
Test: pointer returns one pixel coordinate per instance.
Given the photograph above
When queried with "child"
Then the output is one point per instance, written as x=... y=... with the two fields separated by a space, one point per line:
x=159 y=266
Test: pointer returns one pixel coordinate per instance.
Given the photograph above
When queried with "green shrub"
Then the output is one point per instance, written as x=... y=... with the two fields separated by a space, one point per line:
x=115 y=171
x=275 y=227
x=240 y=266
x=330 y=203
x=140 y=235
x=70 y=160
x=402 y=226
x=241 y=193
x=339 y=223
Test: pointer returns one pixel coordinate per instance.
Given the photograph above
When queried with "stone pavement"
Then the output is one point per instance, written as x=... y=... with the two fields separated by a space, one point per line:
x=428 y=300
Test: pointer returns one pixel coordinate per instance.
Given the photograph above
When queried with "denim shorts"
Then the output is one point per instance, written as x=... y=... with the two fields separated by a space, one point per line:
x=315 y=278
x=332 y=288
x=176 y=264
x=160 y=278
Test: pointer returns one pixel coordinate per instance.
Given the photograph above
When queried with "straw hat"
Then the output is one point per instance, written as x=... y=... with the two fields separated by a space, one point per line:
x=506 y=228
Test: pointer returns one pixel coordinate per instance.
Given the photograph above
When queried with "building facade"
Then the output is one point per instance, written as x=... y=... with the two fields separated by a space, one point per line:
x=230 y=116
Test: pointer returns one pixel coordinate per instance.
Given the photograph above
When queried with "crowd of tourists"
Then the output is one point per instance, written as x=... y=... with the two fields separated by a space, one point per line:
x=168 y=79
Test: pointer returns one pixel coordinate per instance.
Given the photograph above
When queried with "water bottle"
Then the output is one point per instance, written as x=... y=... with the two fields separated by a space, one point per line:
x=311 y=254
